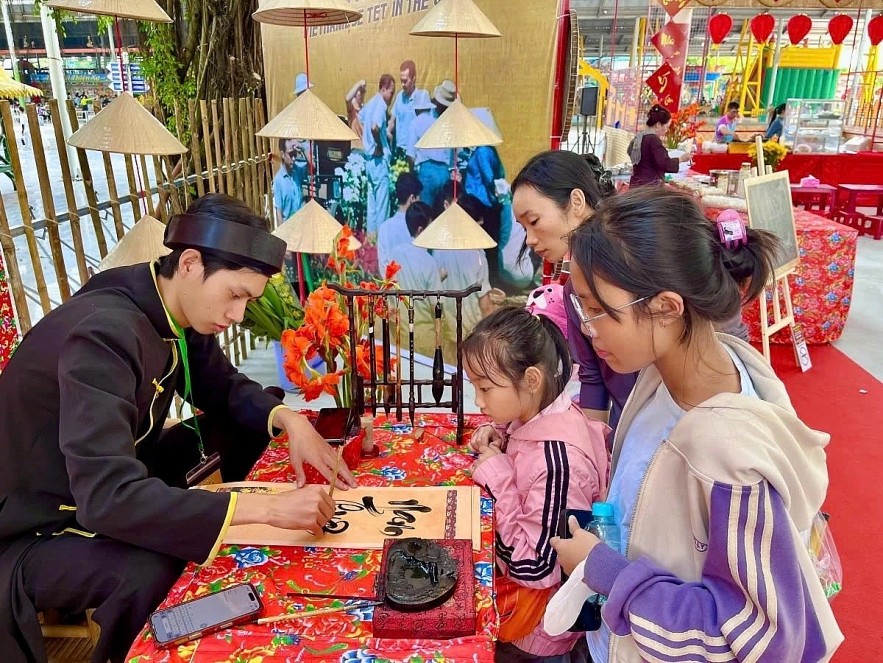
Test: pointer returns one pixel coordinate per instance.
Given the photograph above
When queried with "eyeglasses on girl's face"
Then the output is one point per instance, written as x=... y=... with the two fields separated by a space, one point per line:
x=588 y=322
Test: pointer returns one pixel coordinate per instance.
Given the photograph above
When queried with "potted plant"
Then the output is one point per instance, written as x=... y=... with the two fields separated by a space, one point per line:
x=683 y=126
x=325 y=331
x=773 y=153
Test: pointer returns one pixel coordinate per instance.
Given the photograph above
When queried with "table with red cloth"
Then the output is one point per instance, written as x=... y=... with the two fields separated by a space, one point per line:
x=833 y=169
x=821 y=288
x=280 y=573
x=8 y=329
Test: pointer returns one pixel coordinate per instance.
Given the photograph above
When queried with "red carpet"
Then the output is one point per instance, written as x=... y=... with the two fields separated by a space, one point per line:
x=828 y=397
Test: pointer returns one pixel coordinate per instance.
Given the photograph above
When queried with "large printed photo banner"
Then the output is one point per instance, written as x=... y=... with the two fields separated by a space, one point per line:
x=367 y=516
x=9 y=335
x=371 y=183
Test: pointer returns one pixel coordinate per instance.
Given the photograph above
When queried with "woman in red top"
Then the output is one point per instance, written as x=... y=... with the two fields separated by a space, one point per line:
x=647 y=152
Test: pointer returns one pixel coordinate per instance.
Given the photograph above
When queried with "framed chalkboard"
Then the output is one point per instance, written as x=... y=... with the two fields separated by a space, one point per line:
x=770 y=208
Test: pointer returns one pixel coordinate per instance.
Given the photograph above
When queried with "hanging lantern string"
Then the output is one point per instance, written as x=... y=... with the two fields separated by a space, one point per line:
x=142 y=204
x=704 y=71
x=613 y=35
x=854 y=58
x=455 y=171
x=309 y=80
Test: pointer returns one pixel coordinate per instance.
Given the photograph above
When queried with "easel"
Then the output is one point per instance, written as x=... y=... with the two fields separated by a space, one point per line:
x=586 y=146
x=778 y=292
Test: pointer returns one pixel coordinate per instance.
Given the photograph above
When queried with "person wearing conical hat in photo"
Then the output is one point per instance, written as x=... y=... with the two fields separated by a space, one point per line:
x=433 y=165
x=94 y=511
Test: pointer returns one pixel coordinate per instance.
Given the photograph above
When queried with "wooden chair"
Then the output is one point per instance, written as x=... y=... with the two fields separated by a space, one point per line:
x=68 y=642
x=617 y=151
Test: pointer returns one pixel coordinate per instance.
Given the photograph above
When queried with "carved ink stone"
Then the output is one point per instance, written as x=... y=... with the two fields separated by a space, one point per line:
x=419 y=575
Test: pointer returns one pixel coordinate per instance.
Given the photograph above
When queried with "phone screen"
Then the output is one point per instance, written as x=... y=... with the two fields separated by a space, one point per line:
x=204 y=614
x=333 y=423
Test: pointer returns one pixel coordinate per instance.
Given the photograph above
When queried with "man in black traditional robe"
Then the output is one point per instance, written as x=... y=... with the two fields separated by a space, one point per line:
x=94 y=511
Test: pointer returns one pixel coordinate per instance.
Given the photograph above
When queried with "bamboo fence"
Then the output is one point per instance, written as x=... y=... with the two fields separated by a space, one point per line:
x=51 y=244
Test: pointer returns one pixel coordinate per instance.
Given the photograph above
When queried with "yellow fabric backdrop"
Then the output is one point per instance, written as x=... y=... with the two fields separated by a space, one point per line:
x=511 y=75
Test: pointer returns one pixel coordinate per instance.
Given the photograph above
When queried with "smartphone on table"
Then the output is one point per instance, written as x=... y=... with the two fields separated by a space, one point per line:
x=193 y=619
x=336 y=425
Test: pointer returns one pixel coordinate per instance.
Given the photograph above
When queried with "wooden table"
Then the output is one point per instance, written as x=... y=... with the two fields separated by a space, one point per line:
x=846 y=208
x=284 y=574
x=821 y=197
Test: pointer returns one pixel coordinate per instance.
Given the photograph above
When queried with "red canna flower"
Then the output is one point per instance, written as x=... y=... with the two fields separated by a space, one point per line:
x=392 y=269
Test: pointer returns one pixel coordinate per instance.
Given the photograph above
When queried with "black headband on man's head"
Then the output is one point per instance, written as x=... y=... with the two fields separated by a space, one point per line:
x=250 y=247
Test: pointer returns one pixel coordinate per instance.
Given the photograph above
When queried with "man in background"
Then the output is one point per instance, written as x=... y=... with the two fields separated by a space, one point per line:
x=403 y=114
x=725 y=130
x=433 y=165
x=394 y=230
x=375 y=140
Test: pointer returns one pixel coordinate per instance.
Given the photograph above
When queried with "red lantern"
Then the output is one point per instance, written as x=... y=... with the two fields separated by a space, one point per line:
x=762 y=27
x=839 y=27
x=875 y=29
x=798 y=27
x=719 y=27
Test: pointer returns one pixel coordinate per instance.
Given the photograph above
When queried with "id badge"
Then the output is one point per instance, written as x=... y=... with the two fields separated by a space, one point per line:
x=206 y=473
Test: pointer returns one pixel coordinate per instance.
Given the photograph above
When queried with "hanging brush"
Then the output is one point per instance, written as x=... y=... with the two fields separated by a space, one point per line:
x=438 y=362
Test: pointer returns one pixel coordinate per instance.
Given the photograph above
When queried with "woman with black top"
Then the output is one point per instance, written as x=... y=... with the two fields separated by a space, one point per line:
x=776 y=125
x=647 y=152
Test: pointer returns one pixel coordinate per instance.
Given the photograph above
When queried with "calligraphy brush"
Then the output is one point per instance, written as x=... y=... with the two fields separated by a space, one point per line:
x=316 y=613
x=411 y=405
x=398 y=363
x=438 y=363
x=387 y=388
x=336 y=467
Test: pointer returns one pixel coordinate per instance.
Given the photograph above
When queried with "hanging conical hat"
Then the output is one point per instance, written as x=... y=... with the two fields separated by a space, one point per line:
x=312 y=230
x=454 y=229
x=306 y=12
x=307 y=118
x=142 y=10
x=455 y=18
x=11 y=88
x=458 y=127
x=126 y=127
x=143 y=243
x=487 y=119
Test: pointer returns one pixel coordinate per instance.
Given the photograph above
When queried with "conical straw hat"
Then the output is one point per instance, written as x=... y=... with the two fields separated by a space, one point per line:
x=306 y=12
x=126 y=127
x=143 y=243
x=455 y=18
x=142 y=10
x=312 y=230
x=10 y=88
x=487 y=119
x=454 y=229
x=458 y=127
x=308 y=118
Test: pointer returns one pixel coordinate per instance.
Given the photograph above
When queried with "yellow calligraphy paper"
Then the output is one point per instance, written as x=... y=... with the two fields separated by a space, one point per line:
x=366 y=516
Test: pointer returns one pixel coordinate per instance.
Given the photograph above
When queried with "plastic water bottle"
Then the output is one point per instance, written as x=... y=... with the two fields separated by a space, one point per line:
x=603 y=525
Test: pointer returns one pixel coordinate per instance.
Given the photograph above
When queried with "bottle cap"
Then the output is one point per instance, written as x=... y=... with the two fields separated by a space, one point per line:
x=602 y=510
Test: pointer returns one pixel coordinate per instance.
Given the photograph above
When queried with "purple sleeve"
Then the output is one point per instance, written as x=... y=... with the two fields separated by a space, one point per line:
x=751 y=604
x=593 y=392
x=659 y=154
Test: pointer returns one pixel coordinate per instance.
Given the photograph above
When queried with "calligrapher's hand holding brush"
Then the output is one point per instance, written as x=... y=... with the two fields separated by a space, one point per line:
x=308 y=508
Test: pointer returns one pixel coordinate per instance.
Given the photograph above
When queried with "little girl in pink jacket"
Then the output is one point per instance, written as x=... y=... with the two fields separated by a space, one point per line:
x=540 y=456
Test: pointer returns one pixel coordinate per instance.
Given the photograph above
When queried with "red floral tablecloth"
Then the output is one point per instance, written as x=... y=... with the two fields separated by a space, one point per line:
x=821 y=288
x=8 y=329
x=281 y=573
x=833 y=169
